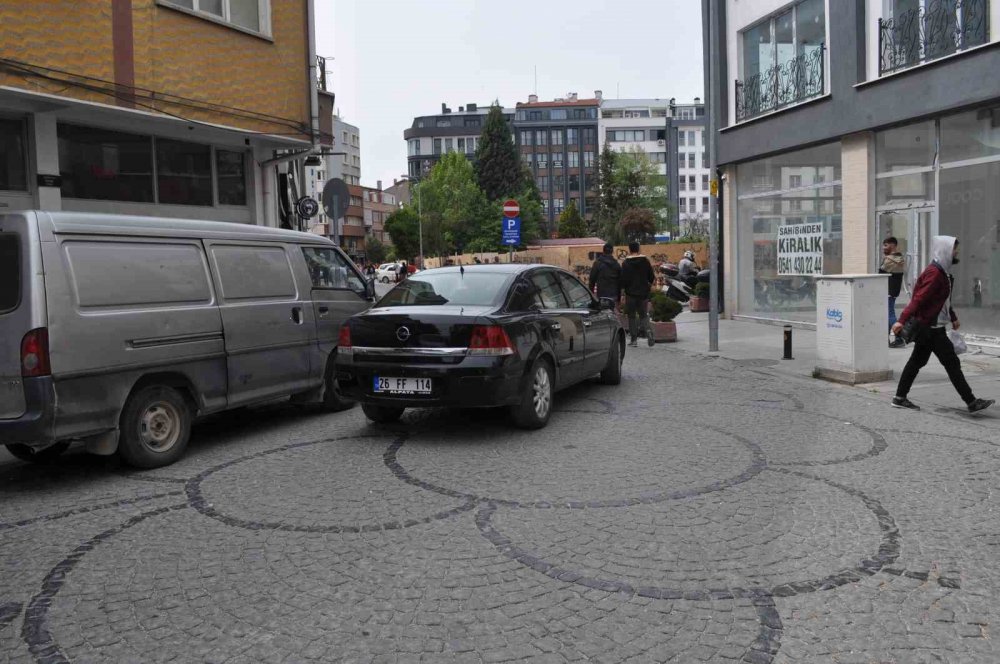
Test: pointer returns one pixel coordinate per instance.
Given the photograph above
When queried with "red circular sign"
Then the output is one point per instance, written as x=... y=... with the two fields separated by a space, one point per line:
x=511 y=208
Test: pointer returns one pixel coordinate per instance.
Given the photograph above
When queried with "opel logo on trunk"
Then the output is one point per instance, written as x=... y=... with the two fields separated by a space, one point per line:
x=403 y=333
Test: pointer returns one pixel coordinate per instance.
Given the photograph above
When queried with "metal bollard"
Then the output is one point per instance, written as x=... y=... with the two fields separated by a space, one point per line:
x=788 y=343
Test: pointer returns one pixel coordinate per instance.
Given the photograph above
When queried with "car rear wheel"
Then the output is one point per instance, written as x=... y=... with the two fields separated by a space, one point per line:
x=536 y=400
x=382 y=414
x=26 y=453
x=385 y=280
x=612 y=373
x=155 y=427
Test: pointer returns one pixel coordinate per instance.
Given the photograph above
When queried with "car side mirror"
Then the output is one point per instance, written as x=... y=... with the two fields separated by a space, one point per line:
x=605 y=304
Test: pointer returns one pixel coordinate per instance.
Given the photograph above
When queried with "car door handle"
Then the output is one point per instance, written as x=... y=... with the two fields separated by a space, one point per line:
x=556 y=326
x=324 y=312
x=586 y=323
x=297 y=315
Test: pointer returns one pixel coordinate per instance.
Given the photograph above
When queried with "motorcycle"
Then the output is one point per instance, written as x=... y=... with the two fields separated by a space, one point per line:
x=681 y=288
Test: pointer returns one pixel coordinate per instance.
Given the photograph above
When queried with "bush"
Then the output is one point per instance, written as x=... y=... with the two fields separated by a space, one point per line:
x=665 y=309
x=701 y=289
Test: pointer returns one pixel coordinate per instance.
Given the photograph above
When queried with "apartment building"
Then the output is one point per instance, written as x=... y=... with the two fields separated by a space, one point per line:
x=880 y=118
x=346 y=167
x=431 y=136
x=672 y=136
x=176 y=108
x=379 y=204
x=559 y=142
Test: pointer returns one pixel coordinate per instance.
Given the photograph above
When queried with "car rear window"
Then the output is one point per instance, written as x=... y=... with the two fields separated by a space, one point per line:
x=10 y=272
x=453 y=287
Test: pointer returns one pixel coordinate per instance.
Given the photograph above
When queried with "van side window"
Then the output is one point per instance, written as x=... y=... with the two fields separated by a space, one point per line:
x=130 y=274
x=328 y=269
x=10 y=272
x=257 y=272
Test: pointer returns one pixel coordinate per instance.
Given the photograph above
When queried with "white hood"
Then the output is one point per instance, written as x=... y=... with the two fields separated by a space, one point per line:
x=942 y=249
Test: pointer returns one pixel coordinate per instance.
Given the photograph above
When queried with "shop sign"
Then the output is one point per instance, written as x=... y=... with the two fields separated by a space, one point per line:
x=800 y=249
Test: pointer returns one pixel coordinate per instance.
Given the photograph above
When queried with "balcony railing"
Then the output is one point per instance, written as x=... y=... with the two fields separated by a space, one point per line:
x=321 y=73
x=782 y=85
x=940 y=28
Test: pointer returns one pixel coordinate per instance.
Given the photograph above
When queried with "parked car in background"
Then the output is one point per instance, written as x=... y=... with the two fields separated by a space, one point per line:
x=478 y=336
x=136 y=326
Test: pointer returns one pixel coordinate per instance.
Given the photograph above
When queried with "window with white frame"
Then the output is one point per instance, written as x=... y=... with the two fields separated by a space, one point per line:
x=681 y=138
x=691 y=160
x=253 y=15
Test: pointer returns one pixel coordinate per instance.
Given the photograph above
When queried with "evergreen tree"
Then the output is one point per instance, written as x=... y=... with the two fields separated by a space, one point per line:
x=403 y=227
x=454 y=206
x=498 y=165
x=571 y=223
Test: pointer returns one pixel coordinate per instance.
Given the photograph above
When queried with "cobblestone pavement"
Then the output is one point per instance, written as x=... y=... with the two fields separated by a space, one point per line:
x=703 y=511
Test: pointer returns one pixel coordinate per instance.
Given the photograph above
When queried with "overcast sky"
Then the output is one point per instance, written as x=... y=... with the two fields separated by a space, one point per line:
x=397 y=59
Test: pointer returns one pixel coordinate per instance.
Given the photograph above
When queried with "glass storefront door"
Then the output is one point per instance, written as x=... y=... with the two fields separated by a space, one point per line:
x=912 y=230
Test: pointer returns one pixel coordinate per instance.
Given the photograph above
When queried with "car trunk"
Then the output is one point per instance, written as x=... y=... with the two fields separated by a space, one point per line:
x=417 y=327
x=15 y=317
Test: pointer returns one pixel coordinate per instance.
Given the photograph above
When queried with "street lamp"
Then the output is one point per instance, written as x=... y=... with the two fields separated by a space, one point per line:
x=420 y=212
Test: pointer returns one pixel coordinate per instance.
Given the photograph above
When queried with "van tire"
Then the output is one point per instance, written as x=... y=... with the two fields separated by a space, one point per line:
x=26 y=453
x=333 y=402
x=155 y=427
x=382 y=414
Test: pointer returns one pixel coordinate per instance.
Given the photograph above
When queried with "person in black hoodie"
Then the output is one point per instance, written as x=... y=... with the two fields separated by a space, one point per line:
x=605 y=276
x=637 y=281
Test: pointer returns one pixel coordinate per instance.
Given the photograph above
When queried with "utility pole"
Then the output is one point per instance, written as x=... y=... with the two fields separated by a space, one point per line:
x=710 y=9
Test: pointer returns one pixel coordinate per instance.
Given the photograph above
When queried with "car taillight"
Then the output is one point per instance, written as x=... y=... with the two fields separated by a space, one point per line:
x=344 y=339
x=490 y=340
x=35 y=353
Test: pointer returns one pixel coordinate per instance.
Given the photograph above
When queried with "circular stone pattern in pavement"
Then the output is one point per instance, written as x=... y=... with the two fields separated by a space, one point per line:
x=329 y=486
x=600 y=462
x=796 y=437
x=778 y=529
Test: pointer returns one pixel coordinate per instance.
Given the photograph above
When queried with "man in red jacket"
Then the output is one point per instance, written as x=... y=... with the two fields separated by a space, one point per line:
x=931 y=307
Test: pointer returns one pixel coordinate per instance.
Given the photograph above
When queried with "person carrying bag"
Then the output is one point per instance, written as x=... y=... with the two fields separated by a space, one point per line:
x=923 y=322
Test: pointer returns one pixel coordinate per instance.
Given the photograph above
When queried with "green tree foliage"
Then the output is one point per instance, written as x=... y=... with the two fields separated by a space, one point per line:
x=454 y=207
x=374 y=250
x=627 y=181
x=402 y=226
x=571 y=224
x=639 y=224
x=498 y=166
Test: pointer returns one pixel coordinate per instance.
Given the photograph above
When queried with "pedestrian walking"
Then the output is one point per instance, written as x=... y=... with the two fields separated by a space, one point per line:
x=893 y=265
x=637 y=280
x=926 y=316
x=605 y=275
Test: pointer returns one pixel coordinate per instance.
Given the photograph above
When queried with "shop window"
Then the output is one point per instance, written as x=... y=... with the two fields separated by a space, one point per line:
x=230 y=169
x=971 y=135
x=905 y=148
x=13 y=169
x=99 y=164
x=183 y=172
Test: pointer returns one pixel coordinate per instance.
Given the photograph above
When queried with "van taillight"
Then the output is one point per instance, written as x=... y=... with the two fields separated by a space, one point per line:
x=490 y=340
x=35 y=353
x=344 y=339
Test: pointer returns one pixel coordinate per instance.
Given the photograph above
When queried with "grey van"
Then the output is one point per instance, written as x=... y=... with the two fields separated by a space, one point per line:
x=119 y=330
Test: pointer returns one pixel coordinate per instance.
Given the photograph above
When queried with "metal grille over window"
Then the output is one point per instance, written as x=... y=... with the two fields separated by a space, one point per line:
x=919 y=32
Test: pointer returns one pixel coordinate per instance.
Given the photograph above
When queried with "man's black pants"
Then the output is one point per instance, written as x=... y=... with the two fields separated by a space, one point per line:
x=935 y=340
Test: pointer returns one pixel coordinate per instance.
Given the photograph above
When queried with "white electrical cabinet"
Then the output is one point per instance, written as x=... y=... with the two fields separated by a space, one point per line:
x=852 y=327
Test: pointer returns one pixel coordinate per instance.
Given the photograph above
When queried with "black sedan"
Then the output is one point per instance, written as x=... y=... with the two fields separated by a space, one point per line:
x=479 y=336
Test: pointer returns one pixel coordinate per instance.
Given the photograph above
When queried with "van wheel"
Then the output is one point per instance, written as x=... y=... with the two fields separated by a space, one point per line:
x=155 y=427
x=612 y=373
x=536 y=399
x=333 y=402
x=25 y=453
x=382 y=414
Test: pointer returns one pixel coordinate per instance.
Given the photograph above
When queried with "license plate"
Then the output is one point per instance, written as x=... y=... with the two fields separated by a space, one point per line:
x=394 y=385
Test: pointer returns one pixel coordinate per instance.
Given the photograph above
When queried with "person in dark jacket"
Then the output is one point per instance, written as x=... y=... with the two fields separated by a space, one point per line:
x=931 y=307
x=605 y=275
x=637 y=281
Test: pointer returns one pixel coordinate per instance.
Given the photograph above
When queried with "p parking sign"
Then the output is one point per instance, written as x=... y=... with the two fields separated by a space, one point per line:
x=511 y=233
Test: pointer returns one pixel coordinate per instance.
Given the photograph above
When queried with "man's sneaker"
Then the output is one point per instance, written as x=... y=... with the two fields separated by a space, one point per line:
x=903 y=402
x=897 y=343
x=980 y=404
x=634 y=343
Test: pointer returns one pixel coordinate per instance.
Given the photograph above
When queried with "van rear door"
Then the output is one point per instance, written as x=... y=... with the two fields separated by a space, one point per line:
x=15 y=311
